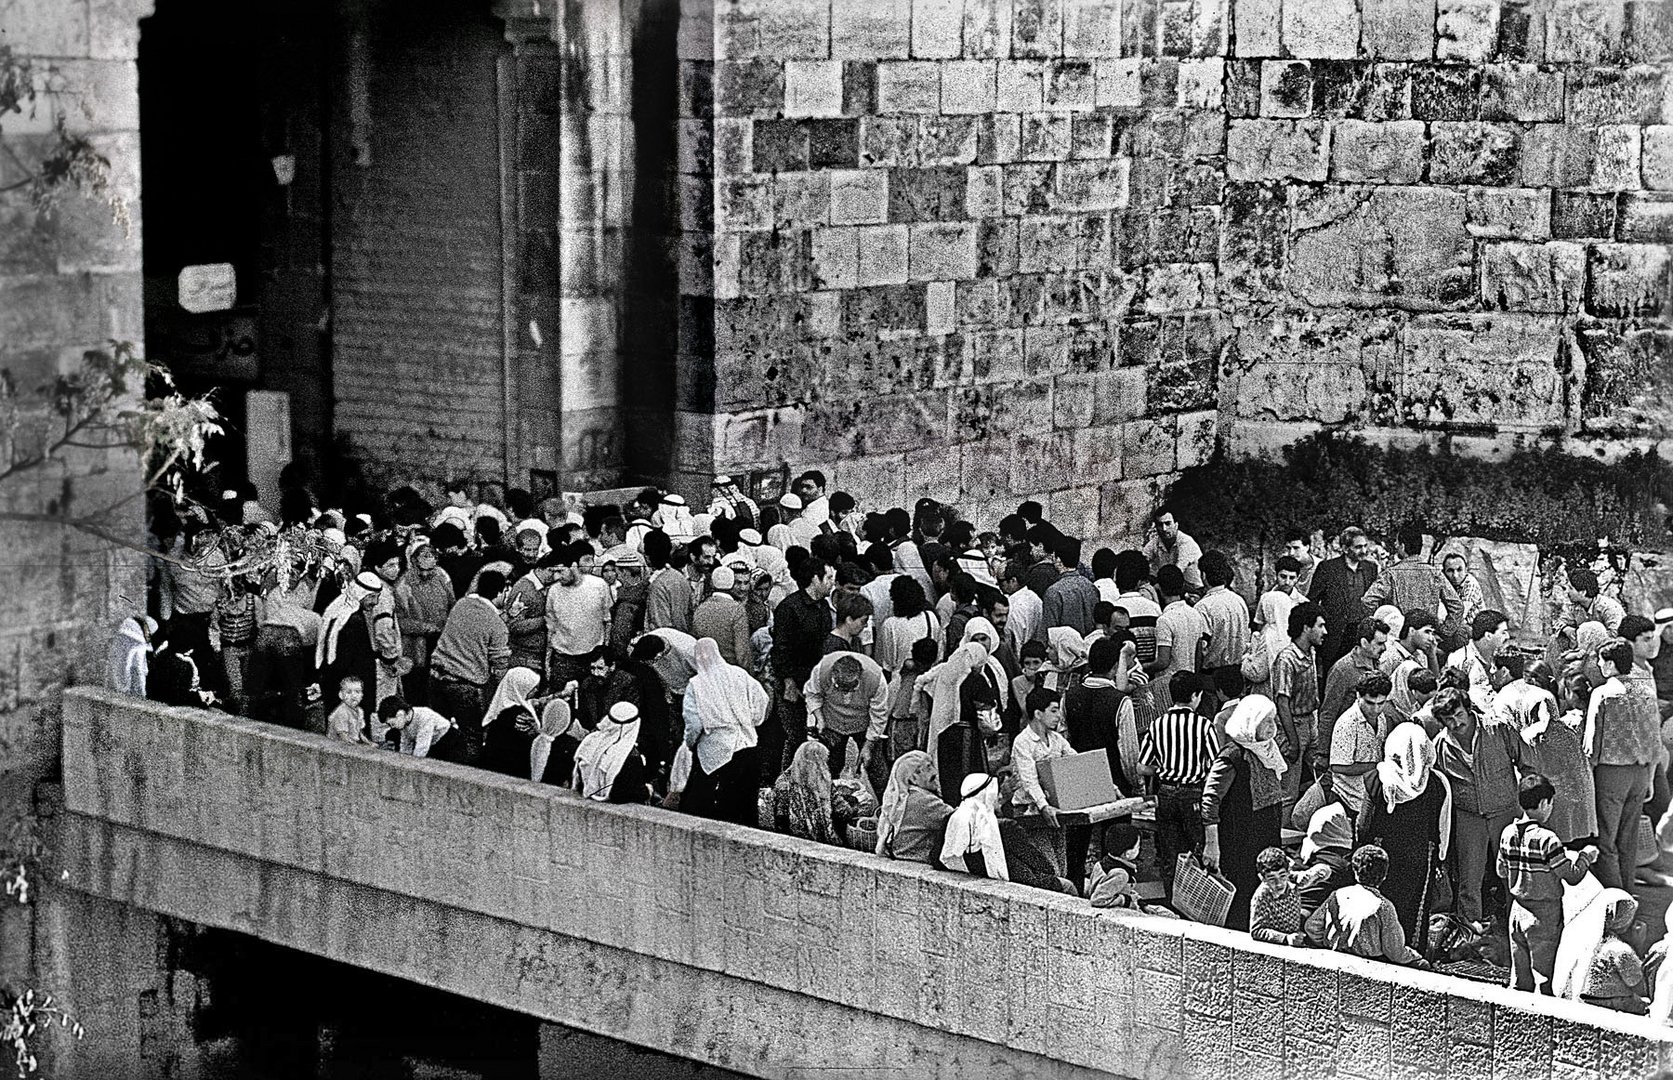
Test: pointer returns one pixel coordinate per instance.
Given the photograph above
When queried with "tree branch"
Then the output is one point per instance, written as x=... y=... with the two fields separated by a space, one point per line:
x=92 y=528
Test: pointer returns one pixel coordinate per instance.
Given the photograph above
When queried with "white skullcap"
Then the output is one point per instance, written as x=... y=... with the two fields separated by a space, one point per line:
x=749 y=538
x=723 y=578
x=369 y=581
x=973 y=783
x=790 y=501
x=623 y=712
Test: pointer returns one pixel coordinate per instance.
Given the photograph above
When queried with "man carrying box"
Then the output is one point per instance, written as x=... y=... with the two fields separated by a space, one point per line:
x=1042 y=741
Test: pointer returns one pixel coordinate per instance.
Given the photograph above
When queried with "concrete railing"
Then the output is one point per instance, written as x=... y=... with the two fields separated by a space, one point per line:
x=1045 y=982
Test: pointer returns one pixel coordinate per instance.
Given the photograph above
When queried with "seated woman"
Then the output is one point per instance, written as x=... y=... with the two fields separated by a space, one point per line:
x=802 y=796
x=510 y=721
x=1324 y=856
x=1027 y=864
x=972 y=844
x=1613 y=978
x=912 y=819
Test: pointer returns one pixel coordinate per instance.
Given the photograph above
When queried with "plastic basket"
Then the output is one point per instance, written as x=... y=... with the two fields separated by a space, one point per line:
x=1199 y=895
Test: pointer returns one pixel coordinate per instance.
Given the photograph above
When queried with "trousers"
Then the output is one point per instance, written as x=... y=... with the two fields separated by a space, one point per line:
x=1535 y=928
x=1475 y=840
x=1621 y=791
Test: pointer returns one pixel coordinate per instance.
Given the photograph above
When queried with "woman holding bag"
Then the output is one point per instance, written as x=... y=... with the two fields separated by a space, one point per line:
x=1242 y=801
x=1408 y=812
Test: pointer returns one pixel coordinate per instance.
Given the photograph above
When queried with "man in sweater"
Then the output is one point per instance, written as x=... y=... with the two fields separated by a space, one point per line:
x=669 y=602
x=472 y=655
x=1622 y=740
x=848 y=701
x=1070 y=599
x=723 y=617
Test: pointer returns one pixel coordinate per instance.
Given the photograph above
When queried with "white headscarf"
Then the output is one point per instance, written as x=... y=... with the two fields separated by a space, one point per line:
x=728 y=703
x=556 y=721
x=979 y=625
x=1273 y=612
x=1243 y=728
x=915 y=767
x=1391 y=617
x=974 y=827
x=1329 y=827
x=1407 y=766
x=338 y=613
x=130 y=654
x=674 y=518
x=513 y=691
x=601 y=755
x=943 y=682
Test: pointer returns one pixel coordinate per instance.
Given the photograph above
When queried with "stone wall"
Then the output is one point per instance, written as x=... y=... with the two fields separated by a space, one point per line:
x=1007 y=248
x=760 y=953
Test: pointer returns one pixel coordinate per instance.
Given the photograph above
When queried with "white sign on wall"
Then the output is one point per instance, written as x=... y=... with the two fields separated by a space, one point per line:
x=208 y=287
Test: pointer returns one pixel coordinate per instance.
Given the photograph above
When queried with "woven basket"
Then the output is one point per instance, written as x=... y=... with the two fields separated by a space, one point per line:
x=862 y=835
x=1649 y=846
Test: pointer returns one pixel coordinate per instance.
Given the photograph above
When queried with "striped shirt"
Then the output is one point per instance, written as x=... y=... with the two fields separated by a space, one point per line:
x=1535 y=864
x=1181 y=746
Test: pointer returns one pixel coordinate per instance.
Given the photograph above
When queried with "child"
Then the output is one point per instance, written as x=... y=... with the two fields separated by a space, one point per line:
x=346 y=721
x=908 y=704
x=1358 y=919
x=1033 y=659
x=1112 y=884
x=415 y=730
x=1534 y=865
x=1275 y=910
x=1614 y=979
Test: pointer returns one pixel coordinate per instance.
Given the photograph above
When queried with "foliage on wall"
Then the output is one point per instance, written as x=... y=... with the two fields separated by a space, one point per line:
x=1562 y=502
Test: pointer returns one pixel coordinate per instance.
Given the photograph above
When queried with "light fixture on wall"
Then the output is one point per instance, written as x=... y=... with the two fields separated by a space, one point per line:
x=284 y=168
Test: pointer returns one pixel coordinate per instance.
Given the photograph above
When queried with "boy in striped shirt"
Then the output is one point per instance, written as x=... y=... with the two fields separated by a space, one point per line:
x=1177 y=750
x=1534 y=865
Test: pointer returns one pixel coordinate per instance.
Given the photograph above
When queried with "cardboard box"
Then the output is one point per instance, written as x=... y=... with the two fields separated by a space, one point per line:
x=1078 y=781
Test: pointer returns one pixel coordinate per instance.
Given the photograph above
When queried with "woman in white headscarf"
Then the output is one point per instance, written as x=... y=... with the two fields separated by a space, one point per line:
x=724 y=706
x=510 y=721
x=345 y=645
x=557 y=735
x=912 y=815
x=1272 y=616
x=802 y=796
x=966 y=696
x=130 y=654
x=1408 y=810
x=1242 y=801
x=609 y=765
x=1595 y=963
x=972 y=844
x=1066 y=661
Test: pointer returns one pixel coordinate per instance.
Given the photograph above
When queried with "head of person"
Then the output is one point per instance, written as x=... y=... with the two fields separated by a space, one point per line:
x=879 y=559
x=1372 y=635
x=1166 y=523
x=1354 y=543
x=1307 y=625
x=566 y=563
x=1185 y=689
x=1417 y=631
x=851 y=577
x=1286 y=572
x=846 y=673
x=1421 y=685
x=1044 y=709
x=1541 y=674
x=723 y=580
x=384 y=559
x=550 y=565
x=1121 y=841
x=1031 y=511
x=814 y=576
x=842 y=504
x=810 y=485
x=350 y=691
x=1067 y=552
x=907 y=597
x=1103 y=563
x=1583 y=586
x=982 y=701
x=458 y=492
x=1216 y=569
x=658 y=548
x=1664 y=624
x=1370 y=866
x=424 y=558
x=1011 y=576
x=489 y=584
x=1170 y=582
x=1103 y=657
x=395 y=712
x=925 y=653
x=1410 y=539
x=994 y=607
x=963 y=587
x=602 y=663
x=853 y=611
x=1642 y=633
x=1273 y=866
x=1490 y=631
x=371 y=589
x=1508 y=667
x=1616 y=658
x=1536 y=795
x=487 y=531
x=899 y=523
x=1229 y=682
x=1033 y=657
x=647 y=649
x=528 y=545
x=1451 y=707
x=1040 y=540
x=1297 y=546
x=1454 y=567
x=1132 y=570
x=1373 y=694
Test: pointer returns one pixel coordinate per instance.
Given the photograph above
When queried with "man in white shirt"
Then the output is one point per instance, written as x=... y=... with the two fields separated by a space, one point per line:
x=1181 y=635
x=1173 y=547
x=1489 y=633
x=1027 y=609
x=1356 y=745
x=577 y=616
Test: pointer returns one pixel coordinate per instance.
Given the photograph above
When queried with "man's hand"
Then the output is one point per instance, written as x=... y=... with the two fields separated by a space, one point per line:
x=865 y=754
x=1211 y=854
x=1050 y=813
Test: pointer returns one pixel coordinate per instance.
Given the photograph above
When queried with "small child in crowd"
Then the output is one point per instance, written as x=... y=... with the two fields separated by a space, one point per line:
x=908 y=703
x=1534 y=865
x=1033 y=658
x=1275 y=910
x=1359 y=919
x=1113 y=883
x=346 y=722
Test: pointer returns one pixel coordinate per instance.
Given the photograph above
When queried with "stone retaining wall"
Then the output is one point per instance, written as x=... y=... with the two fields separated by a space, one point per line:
x=758 y=952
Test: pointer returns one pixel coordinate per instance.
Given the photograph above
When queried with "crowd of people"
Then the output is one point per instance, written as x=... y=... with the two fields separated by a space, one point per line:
x=900 y=680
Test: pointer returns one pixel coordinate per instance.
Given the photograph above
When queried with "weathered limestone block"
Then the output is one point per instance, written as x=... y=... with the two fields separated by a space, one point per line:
x=937 y=29
x=1534 y=277
x=1525 y=93
x=1202 y=83
x=1092 y=135
x=1629 y=280
x=1117 y=84
x=871 y=31
x=1045 y=137
x=942 y=251
x=1398 y=29
x=749 y=88
x=1400 y=247
x=1647 y=219
x=947 y=140
x=1257 y=25
x=1508 y=213
x=1489 y=370
x=1615 y=163
x=859 y=196
x=968 y=86
x=1178 y=287
x=1322 y=29
x=1466 y=30
x=1327 y=393
x=1148 y=447
x=1657 y=159
x=1070 y=84
x=1446 y=91
x=1092 y=28
x=883 y=254
x=812 y=88
x=1286 y=89
x=908 y=86
x=1278 y=150
x=1628 y=383
x=1090 y=186
x=1021 y=86
x=1614 y=95
x=1390 y=153
x=1036 y=28
x=1577 y=214
x=889 y=141
x=1473 y=153
x=1584 y=30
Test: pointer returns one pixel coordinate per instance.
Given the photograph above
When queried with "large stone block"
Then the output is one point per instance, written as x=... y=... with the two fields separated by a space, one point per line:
x=1045 y=137
x=1286 y=89
x=1484 y=370
x=889 y=141
x=880 y=30
x=812 y=88
x=1508 y=213
x=937 y=29
x=749 y=88
x=1118 y=396
x=1577 y=214
x=1588 y=31
x=1020 y=86
x=947 y=140
x=1278 y=150
x=1090 y=186
x=1466 y=30
x=1322 y=29
x=1092 y=28
x=934 y=194
x=1389 y=153
x=1070 y=85
x=1628 y=384
x=1630 y=280
x=1534 y=277
x=1614 y=95
x=1473 y=153
x=883 y=254
x=1117 y=84
x=1257 y=27
x=908 y=86
x=1615 y=160
x=859 y=196
x=968 y=86
x=1397 y=247
x=942 y=251
x=1446 y=92
x=1524 y=93
x=1036 y=28
x=1647 y=219
x=1657 y=159
x=1398 y=29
